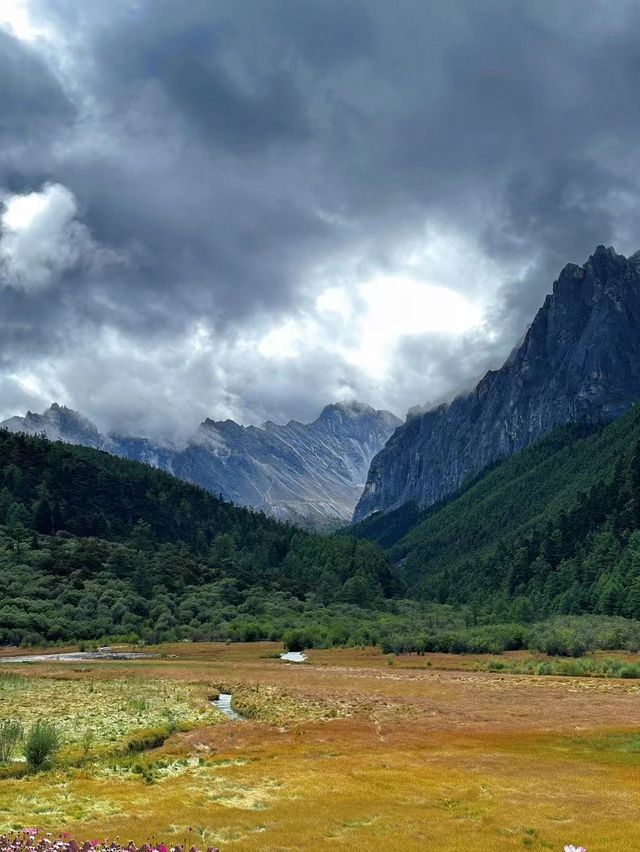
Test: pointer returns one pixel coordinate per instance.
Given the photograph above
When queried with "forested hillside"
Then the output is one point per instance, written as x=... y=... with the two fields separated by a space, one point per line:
x=95 y=546
x=555 y=529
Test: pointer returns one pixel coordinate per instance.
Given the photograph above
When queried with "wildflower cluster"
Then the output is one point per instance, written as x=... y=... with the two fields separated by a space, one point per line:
x=34 y=840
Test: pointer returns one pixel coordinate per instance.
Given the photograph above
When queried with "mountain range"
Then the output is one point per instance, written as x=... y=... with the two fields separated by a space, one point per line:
x=579 y=362
x=311 y=474
x=515 y=503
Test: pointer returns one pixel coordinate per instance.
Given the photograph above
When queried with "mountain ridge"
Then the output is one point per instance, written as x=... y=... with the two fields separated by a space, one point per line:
x=311 y=474
x=579 y=362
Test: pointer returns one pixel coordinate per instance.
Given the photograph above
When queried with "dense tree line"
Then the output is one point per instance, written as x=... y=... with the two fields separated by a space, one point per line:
x=542 y=552
x=94 y=546
x=554 y=530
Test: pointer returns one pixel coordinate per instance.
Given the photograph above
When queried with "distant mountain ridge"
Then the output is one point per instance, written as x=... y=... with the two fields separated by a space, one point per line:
x=578 y=363
x=312 y=474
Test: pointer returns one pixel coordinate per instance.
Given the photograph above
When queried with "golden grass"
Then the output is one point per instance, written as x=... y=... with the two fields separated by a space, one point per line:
x=344 y=751
x=110 y=710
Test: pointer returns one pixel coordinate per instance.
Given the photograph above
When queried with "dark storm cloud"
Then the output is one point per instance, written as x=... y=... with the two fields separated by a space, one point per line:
x=230 y=158
x=184 y=56
x=32 y=101
x=35 y=112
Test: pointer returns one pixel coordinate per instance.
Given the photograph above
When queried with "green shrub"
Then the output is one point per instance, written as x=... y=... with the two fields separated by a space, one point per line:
x=172 y=720
x=562 y=642
x=87 y=742
x=11 y=732
x=574 y=668
x=42 y=742
x=631 y=671
x=294 y=641
x=302 y=638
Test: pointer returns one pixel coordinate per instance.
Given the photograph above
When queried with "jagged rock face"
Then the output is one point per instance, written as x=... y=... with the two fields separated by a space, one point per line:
x=142 y=450
x=579 y=362
x=58 y=423
x=311 y=474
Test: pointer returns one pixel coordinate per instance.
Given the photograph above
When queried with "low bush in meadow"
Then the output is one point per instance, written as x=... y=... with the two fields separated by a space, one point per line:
x=11 y=733
x=563 y=667
x=42 y=742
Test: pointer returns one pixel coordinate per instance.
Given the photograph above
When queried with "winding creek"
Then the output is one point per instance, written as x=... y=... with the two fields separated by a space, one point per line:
x=223 y=701
x=223 y=704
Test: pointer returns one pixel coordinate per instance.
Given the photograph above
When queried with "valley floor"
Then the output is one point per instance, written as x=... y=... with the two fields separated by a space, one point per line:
x=344 y=750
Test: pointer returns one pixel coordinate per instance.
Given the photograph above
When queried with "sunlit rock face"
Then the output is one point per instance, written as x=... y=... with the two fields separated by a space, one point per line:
x=312 y=474
x=579 y=362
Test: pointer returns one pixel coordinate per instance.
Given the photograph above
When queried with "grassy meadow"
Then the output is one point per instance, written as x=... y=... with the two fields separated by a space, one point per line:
x=352 y=749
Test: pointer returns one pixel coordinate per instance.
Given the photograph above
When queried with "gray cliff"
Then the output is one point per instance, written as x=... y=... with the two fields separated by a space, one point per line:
x=310 y=473
x=579 y=362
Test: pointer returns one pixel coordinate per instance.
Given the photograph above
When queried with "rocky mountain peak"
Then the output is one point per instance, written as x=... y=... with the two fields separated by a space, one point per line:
x=59 y=423
x=356 y=412
x=352 y=408
x=578 y=362
x=311 y=473
x=634 y=260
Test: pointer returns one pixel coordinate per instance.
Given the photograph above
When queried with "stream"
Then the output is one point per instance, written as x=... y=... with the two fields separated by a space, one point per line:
x=223 y=704
x=77 y=656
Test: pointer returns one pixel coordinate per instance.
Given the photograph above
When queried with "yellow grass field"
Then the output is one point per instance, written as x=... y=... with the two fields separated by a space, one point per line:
x=344 y=751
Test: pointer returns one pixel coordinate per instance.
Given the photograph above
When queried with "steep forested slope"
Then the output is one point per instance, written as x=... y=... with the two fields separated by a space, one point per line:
x=553 y=529
x=95 y=546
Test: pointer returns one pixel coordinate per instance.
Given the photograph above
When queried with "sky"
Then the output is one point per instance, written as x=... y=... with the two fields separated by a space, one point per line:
x=224 y=208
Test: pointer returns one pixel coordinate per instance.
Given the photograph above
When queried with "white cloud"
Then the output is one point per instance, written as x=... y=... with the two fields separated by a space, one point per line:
x=436 y=288
x=364 y=326
x=397 y=306
x=14 y=14
x=41 y=239
x=412 y=328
